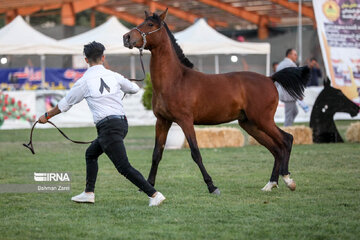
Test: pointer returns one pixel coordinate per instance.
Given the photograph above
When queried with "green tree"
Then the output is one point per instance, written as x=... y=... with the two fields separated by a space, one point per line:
x=147 y=97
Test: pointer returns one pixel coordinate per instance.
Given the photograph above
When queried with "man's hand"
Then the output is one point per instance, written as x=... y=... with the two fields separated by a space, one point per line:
x=53 y=112
x=42 y=119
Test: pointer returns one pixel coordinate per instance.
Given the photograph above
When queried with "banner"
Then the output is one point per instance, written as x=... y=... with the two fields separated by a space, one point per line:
x=338 y=23
x=30 y=78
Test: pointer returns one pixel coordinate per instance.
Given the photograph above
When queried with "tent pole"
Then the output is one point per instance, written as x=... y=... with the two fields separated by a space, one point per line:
x=42 y=63
x=268 y=64
x=132 y=67
x=300 y=32
x=216 y=64
x=200 y=63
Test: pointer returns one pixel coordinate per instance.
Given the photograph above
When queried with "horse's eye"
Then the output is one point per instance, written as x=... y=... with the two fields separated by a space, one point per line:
x=150 y=24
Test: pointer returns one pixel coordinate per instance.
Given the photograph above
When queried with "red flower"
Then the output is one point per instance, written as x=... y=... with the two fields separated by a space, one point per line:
x=6 y=96
x=12 y=100
x=6 y=102
x=6 y=117
x=19 y=103
x=23 y=114
x=28 y=109
x=9 y=113
x=34 y=117
x=18 y=117
x=27 y=119
x=13 y=109
x=4 y=109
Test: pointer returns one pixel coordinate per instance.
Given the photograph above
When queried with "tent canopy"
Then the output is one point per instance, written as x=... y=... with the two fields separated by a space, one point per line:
x=109 y=33
x=200 y=39
x=19 y=38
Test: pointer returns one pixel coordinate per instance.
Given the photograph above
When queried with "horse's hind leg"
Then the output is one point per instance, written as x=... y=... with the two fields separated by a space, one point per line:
x=188 y=129
x=162 y=128
x=284 y=142
x=265 y=140
x=284 y=168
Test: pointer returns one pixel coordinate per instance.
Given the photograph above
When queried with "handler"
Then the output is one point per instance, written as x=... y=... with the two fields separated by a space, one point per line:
x=103 y=90
x=291 y=110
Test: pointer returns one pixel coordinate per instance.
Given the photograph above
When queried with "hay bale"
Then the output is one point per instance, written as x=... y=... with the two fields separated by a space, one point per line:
x=218 y=137
x=353 y=132
x=301 y=134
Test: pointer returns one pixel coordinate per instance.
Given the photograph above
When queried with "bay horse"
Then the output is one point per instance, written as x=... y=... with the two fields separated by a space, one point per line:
x=188 y=97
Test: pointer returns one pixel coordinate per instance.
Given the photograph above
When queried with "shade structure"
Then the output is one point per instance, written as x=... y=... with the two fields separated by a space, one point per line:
x=110 y=34
x=19 y=38
x=200 y=38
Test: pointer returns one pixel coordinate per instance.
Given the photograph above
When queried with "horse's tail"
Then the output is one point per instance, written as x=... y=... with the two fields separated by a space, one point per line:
x=293 y=80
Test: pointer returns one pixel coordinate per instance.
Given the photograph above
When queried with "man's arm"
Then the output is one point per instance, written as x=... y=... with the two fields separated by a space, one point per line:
x=126 y=85
x=53 y=112
x=75 y=95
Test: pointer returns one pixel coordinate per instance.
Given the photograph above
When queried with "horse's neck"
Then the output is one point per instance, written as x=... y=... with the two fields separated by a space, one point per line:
x=164 y=65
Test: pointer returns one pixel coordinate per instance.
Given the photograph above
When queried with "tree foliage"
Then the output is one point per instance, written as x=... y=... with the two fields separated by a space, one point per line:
x=147 y=97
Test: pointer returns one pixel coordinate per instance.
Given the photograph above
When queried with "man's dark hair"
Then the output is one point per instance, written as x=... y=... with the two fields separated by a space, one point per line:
x=313 y=59
x=94 y=51
x=288 y=52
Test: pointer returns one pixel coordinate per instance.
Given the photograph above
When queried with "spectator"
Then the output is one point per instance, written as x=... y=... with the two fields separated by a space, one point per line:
x=274 y=66
x=291 y=109
x=315 y=72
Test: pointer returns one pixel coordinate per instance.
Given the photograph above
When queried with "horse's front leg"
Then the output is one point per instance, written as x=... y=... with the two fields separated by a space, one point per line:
x=162 y=129
x=188 y=129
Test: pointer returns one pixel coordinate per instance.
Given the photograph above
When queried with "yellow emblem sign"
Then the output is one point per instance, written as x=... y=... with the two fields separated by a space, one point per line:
x=331 y=10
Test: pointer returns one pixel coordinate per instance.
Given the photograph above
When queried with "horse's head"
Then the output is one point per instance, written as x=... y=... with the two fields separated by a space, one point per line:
x=335 y=101
x=144 y=35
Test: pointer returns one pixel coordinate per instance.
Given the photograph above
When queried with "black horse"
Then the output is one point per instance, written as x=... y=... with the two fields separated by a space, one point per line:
x=329 y=102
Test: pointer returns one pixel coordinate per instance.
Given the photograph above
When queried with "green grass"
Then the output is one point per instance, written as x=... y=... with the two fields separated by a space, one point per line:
x=326 y=204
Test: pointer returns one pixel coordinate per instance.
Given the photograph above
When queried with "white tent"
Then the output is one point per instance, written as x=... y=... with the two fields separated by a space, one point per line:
x=19 y=38
x=109 y=33
x=201 y=39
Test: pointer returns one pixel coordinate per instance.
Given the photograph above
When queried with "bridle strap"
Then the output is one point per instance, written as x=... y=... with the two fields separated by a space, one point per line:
x=30 y=145
x=143 y=35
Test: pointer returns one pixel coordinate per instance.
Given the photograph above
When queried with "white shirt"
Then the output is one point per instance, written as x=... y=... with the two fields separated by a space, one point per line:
x=102 y=89
x=287 y=62
x=284 y=96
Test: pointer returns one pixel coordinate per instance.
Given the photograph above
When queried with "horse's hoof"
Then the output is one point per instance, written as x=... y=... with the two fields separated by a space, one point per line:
x=216 y=192
x=269 y=186
x=290 y=183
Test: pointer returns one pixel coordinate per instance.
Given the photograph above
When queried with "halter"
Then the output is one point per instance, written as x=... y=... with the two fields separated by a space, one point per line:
x=144 y=34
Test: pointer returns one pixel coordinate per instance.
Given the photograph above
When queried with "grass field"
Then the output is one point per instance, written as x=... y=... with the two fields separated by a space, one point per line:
x=326 y=204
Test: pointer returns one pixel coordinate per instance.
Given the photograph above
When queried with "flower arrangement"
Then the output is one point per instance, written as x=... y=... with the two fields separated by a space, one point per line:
x=12 y=109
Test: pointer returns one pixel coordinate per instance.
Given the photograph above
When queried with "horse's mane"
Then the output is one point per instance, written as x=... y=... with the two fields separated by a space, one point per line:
x=179 y=52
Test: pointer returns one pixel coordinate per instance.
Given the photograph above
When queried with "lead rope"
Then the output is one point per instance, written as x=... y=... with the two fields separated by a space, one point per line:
x=31 y=147
x=142 y=67
x=143 y=35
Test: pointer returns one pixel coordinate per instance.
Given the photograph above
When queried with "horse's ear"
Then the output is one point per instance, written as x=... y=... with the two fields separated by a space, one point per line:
x=163 y=15
x=326 y=82
x=146 y=14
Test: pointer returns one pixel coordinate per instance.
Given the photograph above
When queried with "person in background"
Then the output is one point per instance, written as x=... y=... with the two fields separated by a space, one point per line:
x=291 y=109
x=274 y=66
x=103 y=90
x=315 y=72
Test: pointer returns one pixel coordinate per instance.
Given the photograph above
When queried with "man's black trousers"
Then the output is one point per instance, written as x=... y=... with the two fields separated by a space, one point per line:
x=111 y=134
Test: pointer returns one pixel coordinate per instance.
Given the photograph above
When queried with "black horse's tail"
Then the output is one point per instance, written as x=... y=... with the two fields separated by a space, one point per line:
x=293 y=80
